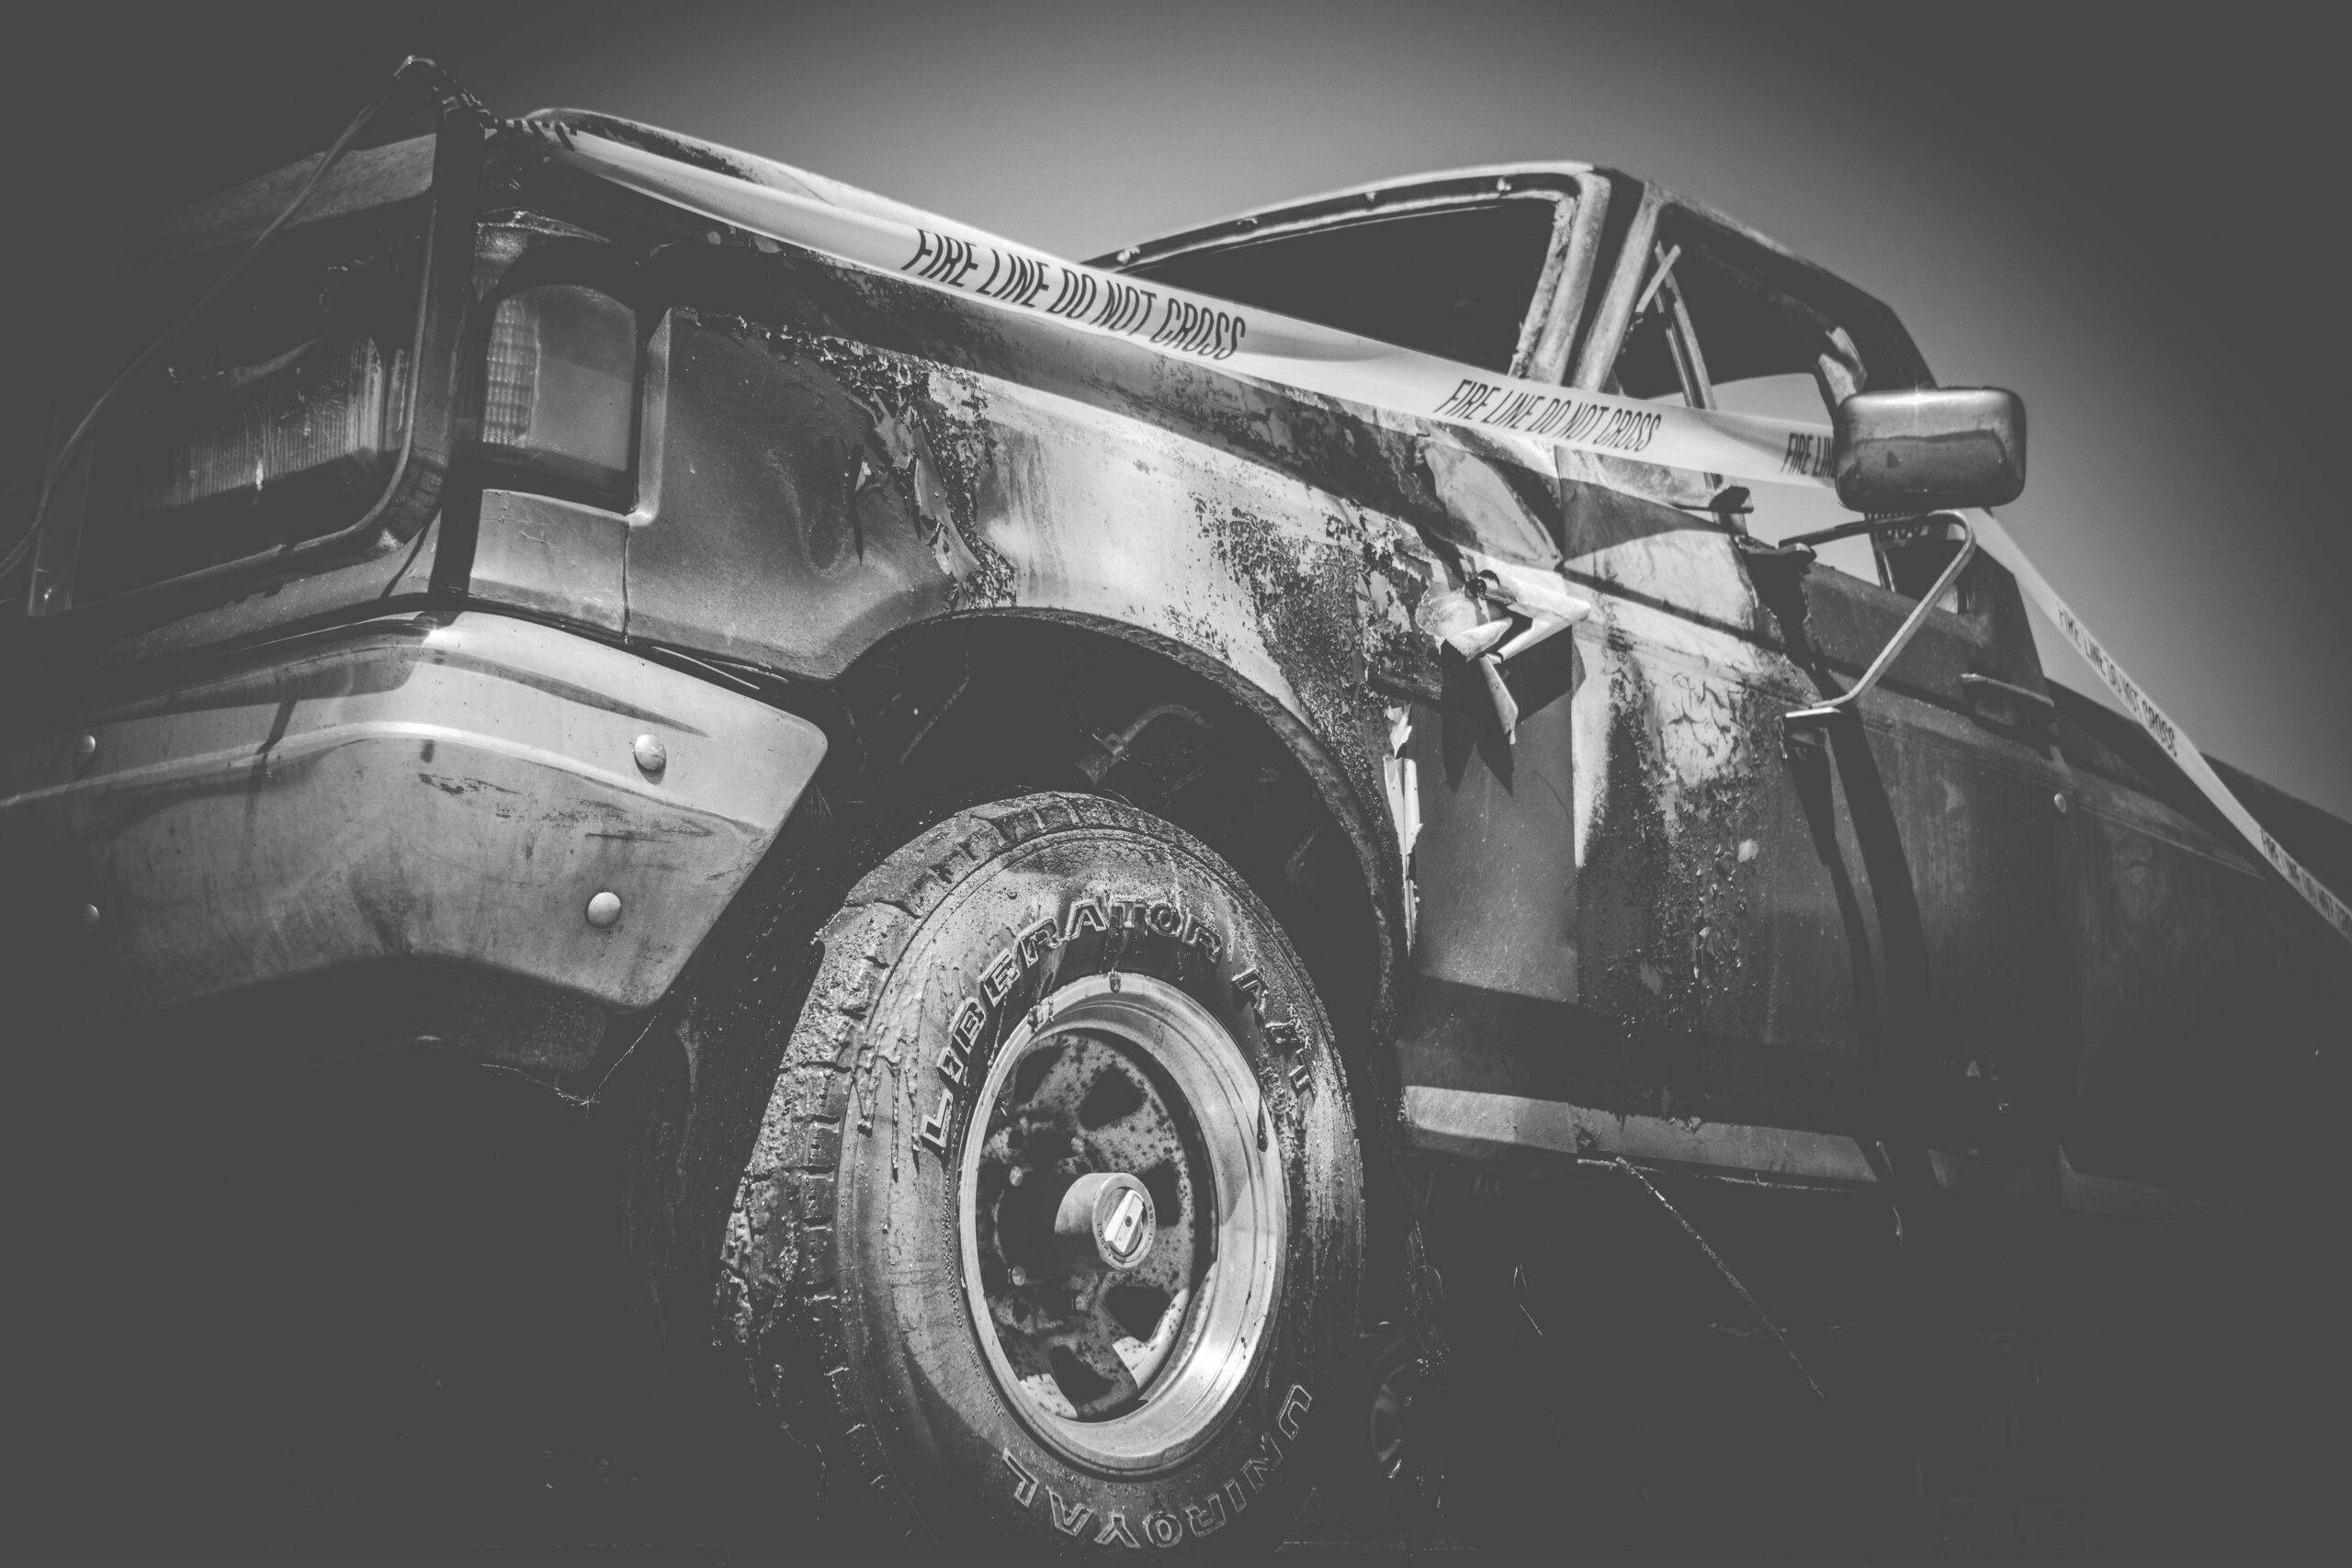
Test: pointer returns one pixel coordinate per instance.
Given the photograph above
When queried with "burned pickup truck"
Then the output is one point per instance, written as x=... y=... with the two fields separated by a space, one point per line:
x=1067 y=837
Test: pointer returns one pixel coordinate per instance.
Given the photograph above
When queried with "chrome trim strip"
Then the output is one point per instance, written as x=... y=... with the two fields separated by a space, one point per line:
x=1467 y=1119
x=653 y=424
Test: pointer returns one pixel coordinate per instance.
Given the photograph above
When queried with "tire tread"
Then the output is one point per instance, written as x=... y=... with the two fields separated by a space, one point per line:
x=779 y=1237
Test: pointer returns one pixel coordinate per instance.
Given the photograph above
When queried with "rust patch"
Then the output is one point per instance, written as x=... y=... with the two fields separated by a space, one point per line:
x=1306 y=595
x=1394 y=575
x=1202 y=631
x=1664 y=950
x=931 y=421
x=928 y=432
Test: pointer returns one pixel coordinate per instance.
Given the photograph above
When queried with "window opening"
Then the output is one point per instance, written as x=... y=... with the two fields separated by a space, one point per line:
x=1452 y=281
x=1707 y=335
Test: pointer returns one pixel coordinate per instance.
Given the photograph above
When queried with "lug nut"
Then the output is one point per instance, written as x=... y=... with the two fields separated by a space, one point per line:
x=605 y=910
x=89 y=917
x=86 y=746
x=1020 y=1275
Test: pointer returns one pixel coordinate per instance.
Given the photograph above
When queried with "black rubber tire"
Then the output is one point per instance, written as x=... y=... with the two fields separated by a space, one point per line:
x=839 y=1306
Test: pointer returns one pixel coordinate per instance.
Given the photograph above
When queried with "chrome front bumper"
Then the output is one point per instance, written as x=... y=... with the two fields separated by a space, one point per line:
x=435 y=786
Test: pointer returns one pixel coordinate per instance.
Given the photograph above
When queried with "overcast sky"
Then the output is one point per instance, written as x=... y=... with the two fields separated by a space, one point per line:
x=2111 y=219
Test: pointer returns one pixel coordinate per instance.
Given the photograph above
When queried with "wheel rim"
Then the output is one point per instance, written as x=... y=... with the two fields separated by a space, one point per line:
x=1123 y=1220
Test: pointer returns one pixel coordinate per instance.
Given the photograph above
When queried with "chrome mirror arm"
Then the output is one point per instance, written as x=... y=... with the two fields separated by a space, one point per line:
x=1846 y=701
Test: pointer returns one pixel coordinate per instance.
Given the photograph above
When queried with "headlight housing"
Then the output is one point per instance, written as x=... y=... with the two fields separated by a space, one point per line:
x=559 y=386
x=279 y=419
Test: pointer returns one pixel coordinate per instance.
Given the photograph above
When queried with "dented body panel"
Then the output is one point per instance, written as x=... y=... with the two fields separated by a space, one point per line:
x=432 y=787
x=1614 y=905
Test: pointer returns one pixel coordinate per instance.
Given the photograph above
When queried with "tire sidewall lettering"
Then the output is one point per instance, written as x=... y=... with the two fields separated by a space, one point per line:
x=1045 y=913
x=1094 y=932
x=1038 y=1485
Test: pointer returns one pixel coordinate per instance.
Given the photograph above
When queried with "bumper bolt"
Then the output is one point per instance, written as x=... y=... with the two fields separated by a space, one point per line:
x=85 y=747
x=650 y=754
x=605 y=910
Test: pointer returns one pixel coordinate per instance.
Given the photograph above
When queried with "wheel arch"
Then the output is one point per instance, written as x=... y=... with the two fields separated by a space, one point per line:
x=980 y=704
x=1066 y=699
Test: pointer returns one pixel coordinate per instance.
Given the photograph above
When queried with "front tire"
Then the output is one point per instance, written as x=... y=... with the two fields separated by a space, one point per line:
x=1049 y=1235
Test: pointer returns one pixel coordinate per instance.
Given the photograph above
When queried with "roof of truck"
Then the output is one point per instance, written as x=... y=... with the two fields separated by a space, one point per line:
x=1395 y=195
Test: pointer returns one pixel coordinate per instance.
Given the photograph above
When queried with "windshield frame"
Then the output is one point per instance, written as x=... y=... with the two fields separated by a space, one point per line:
x=1579 y=197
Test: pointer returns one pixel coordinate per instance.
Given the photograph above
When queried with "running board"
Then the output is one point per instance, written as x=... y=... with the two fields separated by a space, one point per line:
x=1482 y=1126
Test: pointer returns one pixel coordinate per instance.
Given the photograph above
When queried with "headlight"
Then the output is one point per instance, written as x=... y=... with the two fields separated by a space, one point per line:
x=278 y=419
x=320 y=421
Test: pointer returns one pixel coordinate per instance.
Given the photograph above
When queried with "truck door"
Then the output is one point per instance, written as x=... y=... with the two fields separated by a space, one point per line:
x=1648 y=906
x=1938 y=877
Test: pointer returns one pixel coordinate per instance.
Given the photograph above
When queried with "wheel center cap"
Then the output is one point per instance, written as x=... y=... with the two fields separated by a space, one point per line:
x=1113 y=1212
x=1128 y=1230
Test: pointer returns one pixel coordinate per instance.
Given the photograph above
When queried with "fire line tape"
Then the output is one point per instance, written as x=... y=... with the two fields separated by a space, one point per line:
x=1996 y=541
x=1234 y=338
x=795 y=207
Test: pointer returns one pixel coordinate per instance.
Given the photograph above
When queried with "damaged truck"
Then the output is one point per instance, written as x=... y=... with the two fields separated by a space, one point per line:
x=1132 y=918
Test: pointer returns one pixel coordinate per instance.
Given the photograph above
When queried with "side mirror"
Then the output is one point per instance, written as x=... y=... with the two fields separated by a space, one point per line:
x=1929 y=449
